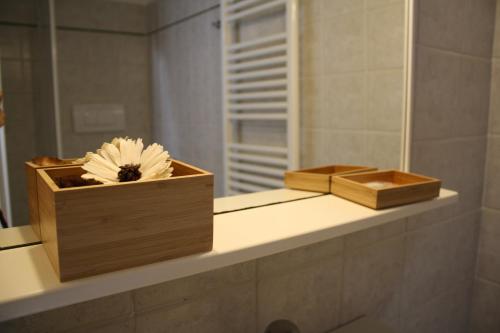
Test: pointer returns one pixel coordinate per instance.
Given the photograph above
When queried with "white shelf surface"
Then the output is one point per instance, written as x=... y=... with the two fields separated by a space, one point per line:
x=28 y=284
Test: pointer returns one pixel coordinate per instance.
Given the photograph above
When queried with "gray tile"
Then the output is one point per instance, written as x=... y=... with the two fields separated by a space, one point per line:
x=383 y=150
x=440 y=23
x=312 y=111
x=496 y=35
x=344 y=101
x=385 y=37
x=471 y=117
x=290 y=260
x=488 y=266
x=309 y=296
x=485 y=313
x=189 y=288
x=432 y=267
x=375 y=234
x=344 y=42
x=333 y=8
x=122 y=325
x=436 y=89
x=478 y=28
x=73 y=316
x=385 y=100
x=372 y=281
x=230 y=310
x=492 y=179
x=494 y=120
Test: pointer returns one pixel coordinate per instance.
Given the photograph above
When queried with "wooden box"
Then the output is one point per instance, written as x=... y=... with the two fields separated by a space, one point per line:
x=102 y=228
x=31 y=179
x=383 y=189
x=318 y=179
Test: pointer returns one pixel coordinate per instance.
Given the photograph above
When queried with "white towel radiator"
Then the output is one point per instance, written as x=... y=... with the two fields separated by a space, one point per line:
x=260 y=84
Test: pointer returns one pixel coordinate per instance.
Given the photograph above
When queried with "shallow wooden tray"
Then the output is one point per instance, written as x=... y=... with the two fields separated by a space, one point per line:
x=102 y=228
x=401 y=188
x=318 y=179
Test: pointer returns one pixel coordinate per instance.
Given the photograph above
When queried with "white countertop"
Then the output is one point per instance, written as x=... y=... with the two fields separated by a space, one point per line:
x=17 y=236
x=28 y=284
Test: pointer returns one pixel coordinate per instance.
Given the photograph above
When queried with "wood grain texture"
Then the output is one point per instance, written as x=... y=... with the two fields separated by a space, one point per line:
x=103 y=228
x=318 y=179
x=407 y=188
x=31 y=182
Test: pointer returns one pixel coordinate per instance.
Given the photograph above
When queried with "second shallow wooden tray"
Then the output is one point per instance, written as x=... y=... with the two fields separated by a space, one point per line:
x=383 y=189
x=318 y=179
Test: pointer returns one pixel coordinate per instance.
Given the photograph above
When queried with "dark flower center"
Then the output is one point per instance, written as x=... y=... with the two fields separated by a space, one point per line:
x=129 y=172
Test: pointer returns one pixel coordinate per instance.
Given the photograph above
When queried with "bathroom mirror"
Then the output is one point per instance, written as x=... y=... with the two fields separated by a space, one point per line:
x=78 y=73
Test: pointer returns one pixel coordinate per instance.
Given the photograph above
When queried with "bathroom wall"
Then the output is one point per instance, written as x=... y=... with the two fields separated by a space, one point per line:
x=319 y=287
x=352 y=56
x=453 y=46
x=187 y=82
x=103 y=58
x=17 y=31
x=485 y=315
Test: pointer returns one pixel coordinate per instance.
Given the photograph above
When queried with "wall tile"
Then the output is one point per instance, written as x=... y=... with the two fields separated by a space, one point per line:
x=494 y=120
x=496 y=34
x=485 y=315
x=311 y=54
x=383 y=150
x=20 y=11
x=385 y=37
x=471 y=117
x=372 y=281
x=73 y=316
x=385 y=100
x=230 y=310
x=309 y=296
x=345 y=147
x=478 y=28
x=431 y=268
x=344 y=101
x=488 y=266
x=440 y=23
x=444 y=313
x=492 y=180
x=333 y=8
x=187 y=289
x=312 y=112
x=289 y=260
x=122 y=325
x=344 y=44
x=372 y=235
x=436 y=80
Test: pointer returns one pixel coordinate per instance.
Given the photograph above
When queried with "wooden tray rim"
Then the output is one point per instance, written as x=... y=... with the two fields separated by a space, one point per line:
x=427 y=180
x=309 y=171
x=53 y=186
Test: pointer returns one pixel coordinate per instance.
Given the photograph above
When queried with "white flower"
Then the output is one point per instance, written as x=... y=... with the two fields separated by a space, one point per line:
x=125 y=160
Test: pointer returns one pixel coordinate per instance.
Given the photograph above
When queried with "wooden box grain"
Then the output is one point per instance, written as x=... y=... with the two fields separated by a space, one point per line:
x=402 y=188
x=31 y=184
x=318 y=179
x=102 y=228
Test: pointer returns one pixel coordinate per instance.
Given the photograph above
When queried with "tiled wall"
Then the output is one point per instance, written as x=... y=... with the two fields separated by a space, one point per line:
x=450 y=119
x=103 y=58
x=352 y=55
x=187 y=83
x=17 y=59
x=485 y=315
x=383 y=271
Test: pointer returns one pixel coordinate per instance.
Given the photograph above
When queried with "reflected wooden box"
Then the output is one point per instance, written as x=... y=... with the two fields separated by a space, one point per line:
x=318 y=179
x=31 y=184
x=102 y=228
x=383 y=189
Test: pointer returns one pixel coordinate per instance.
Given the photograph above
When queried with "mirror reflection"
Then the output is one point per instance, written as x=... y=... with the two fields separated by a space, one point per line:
x=79 y=73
